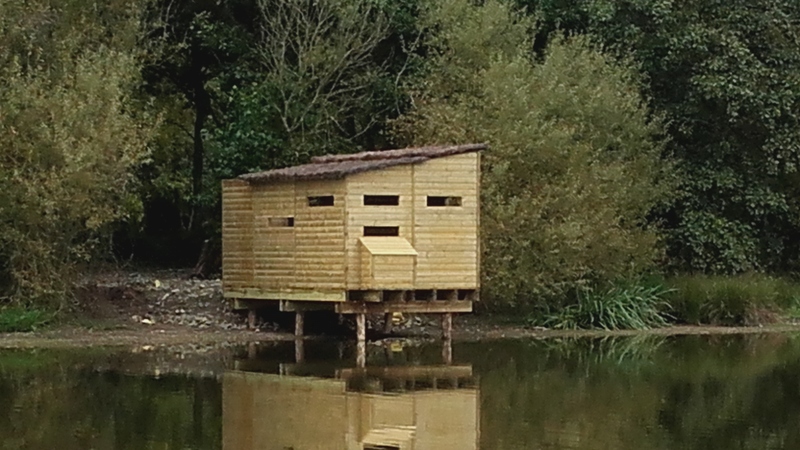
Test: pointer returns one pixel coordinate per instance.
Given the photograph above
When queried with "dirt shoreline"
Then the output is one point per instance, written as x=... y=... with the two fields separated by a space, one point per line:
x=469 y=330
x=166 y=308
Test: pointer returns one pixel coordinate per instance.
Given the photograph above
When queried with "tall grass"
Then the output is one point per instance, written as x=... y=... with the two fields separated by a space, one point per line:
x=625 y=306
x=749 y=299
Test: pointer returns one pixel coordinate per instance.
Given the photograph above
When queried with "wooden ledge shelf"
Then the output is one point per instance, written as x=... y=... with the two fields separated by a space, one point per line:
x=432 y=307
x=413 y=295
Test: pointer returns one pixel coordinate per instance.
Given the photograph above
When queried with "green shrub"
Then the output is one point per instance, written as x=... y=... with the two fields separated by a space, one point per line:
x=575 y=160
x=747 y=299
x=71 y=140
x=625 y=306
x=15 y=319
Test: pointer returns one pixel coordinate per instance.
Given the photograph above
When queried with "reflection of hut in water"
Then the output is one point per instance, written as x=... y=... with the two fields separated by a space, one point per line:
x=432 y=408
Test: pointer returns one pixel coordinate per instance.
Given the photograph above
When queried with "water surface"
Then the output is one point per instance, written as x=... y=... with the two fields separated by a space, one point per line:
x=697 y=392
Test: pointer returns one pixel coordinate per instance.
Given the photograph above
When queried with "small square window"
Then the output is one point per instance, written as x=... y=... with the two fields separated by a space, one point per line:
x=381 y=200
x=381 y=231
x=281 y=221
x=321 y=200
x=443 y=201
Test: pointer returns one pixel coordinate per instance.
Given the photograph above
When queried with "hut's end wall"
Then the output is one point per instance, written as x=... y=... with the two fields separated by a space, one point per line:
x=446 y=222
x=237 y=236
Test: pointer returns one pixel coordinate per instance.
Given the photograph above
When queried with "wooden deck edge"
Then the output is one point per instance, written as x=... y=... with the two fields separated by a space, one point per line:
x=432 y=307
x=296 y=296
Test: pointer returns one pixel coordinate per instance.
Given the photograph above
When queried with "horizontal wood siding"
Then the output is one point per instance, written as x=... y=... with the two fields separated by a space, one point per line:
x=447 y=237
x=391 y=181
x=320 y=237
x=274 y=245
x=237 y=236
x=386 y=272
x=393 y=271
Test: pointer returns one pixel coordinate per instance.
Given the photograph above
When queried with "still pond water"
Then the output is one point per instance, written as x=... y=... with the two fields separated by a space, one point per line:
x=720 y=392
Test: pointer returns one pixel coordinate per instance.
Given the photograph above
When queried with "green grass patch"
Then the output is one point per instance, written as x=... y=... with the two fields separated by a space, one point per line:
x=750 y=299
x=630 y=305
x=16 y=319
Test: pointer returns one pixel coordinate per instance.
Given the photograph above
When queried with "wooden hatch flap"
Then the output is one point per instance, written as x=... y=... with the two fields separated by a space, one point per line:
x=388 y=245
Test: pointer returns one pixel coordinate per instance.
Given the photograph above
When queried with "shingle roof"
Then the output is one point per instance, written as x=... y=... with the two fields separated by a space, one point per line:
x=339 y=166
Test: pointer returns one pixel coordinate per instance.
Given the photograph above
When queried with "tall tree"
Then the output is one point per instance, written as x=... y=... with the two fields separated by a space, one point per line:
x=726 y=74
x=202 y=44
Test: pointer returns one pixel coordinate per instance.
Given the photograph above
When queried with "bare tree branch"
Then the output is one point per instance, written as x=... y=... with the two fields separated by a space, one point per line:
x=317 y=55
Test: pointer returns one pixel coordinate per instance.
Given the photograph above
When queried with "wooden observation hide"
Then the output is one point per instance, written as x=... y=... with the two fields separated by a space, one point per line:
x=277 y=412
x=372 y=232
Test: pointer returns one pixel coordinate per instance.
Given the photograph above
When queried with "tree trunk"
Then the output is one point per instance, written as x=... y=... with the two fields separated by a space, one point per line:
x=202 y=108
x=210 y=260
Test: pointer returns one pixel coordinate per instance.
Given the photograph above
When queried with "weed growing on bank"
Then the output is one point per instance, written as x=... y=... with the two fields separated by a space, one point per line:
x=635 y=306
x=16 y=319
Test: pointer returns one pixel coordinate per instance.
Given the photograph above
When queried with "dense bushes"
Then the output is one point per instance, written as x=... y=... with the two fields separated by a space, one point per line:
x=70 y=135
x=725 y=76
x=575 y=163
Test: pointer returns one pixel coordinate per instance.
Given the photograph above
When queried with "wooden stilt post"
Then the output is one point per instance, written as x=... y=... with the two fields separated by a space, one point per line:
x=387 y=324
x=251 y=319
x=361 y=337
x=361 y=354
x=361 y=327
x=298 y=324
x=251 y=350
x=447 y=326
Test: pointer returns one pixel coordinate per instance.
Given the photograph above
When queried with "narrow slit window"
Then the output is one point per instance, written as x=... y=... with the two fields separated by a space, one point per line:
x=281 y=221
x=321 y=200
x=381 y=231
x=443 y=201
x=381 y=200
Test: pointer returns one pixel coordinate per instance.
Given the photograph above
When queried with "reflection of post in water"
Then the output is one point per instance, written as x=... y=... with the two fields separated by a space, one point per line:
x=434 y=407
x=447 y=352
x=299 y=351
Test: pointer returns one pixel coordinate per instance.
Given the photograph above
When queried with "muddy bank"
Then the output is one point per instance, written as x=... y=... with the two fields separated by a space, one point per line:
x=159 y=308
x=466 y=329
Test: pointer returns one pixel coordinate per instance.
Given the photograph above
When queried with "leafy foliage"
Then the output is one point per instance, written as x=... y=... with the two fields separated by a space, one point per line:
x=575 y=163
x=70 y=135
x=724 y=74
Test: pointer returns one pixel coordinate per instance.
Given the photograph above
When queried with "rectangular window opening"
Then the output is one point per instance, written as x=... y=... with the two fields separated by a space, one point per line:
x=380 y=447
x=321 y=200
x=381 y=231
x=281 y=221
x=444 y=201
x=381 y=200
